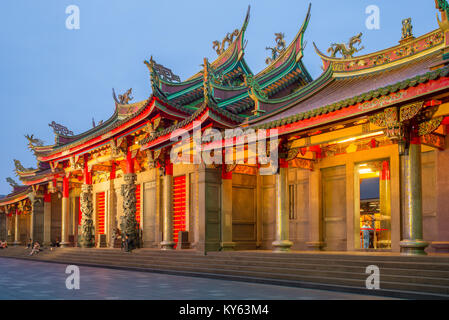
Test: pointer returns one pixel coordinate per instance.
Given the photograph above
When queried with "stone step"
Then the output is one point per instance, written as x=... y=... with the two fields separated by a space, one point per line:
x=440 y=270
x=292 y=265
x=295 y=270
x=406 y=276
x=357 y=283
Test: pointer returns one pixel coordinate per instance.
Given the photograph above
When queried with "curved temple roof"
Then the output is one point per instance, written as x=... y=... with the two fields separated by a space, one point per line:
x=284 y=93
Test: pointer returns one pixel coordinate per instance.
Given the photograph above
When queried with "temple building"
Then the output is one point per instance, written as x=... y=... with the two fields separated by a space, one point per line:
x=362 y=156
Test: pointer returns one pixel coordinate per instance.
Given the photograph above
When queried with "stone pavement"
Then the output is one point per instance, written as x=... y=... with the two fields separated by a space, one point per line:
x=31 y=280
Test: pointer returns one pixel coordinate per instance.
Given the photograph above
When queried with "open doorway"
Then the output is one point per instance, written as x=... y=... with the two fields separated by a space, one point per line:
x=373 y=209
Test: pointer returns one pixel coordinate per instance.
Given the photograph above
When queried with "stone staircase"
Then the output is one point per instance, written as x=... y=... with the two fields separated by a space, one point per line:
x=400 y=276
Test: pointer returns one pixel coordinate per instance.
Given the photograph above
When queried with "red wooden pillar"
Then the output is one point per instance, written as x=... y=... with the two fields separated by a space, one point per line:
x=129 y=162
x=113 y=171
x=86 y=174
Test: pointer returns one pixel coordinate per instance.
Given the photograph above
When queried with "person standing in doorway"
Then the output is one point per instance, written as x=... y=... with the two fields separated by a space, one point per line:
x=366 y=230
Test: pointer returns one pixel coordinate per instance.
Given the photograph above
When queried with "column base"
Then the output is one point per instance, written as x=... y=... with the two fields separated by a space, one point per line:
x=16 y=243
x=441 y=246
x=282 y=245
x=413 y=247
x=65 y=244
x=227 y=246
x=315 y=246
x=167 y=245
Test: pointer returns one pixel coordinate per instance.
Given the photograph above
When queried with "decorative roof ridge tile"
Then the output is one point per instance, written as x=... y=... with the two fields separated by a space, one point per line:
x=430 y=41
x=99 y=132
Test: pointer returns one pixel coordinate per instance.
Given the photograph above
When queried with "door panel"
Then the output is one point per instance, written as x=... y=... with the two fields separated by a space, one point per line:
x=149 y=215
x=334 y=208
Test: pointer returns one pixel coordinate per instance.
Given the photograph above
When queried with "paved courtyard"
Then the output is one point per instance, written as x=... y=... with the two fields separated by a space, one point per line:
x=20 y=279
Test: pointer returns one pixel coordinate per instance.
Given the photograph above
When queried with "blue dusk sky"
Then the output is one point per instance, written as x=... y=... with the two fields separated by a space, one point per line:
x=50 y=73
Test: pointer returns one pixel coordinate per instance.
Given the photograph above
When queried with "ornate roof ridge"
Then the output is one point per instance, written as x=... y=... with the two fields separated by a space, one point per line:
x=403 y=52
x=116 y=124
x=401 y=85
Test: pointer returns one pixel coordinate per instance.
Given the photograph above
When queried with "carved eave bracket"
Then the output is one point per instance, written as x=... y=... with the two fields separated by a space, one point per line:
x=401 y=124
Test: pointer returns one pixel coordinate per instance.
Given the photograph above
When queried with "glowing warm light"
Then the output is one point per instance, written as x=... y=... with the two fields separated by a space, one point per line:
x=361 y=137
x=365 y=171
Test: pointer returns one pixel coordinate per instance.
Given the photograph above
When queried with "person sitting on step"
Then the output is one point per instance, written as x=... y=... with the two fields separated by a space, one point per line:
x=36 y=248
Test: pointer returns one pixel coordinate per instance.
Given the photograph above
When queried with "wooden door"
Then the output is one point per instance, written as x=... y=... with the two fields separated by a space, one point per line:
x=334 y=208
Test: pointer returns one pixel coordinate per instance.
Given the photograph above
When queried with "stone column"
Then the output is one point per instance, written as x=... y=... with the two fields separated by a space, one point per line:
x=65 y=212
x=412 y=221
x=32 y=219
x=282 y=242
x=167 y=208
x=16 y=231
x=87 y=237
x=128 y=193
x=226 y=210
x=47 y=219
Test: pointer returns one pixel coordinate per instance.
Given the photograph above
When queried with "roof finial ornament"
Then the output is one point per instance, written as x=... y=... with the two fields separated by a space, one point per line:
x=33 y=142
x=346 y=50
x=407 y=30
x=19 y=167
x=443 y=6
x=229 y=39
x=278 y=49
x=12 y=182
x=154 y=77
x=207 y=76
x=126 y=97
x=60 y=129
x=162 y=72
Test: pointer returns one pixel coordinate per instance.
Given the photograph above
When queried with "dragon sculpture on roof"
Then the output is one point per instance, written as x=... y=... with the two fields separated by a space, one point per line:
x=278 y=49
x=346 y=50
x=229 y=39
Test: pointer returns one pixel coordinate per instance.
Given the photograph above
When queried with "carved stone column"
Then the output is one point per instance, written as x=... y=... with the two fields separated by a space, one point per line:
x=87 y=236
x=129 y=222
